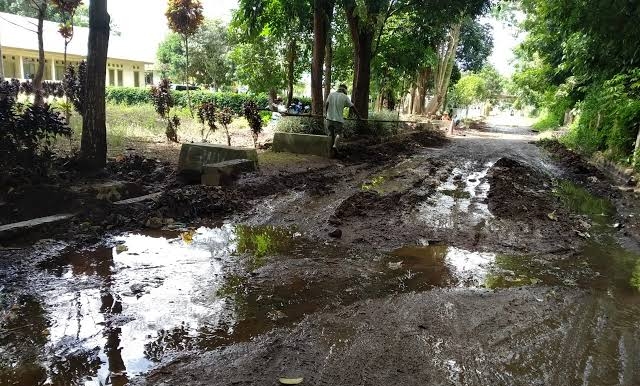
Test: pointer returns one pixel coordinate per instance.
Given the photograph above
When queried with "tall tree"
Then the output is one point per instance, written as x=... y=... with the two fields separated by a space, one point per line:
x=93 y=146
x=322 y=11
x=24 y=8
x=210 y=63
x=185 y=17
x=67 y=9
x=286 y=24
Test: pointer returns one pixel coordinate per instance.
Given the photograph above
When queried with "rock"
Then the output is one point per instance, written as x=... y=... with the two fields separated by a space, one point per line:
x=592 y=179
x=333 y=220
x=154 y=223
x=628 y=172
x=336 y=233
x=137 y=288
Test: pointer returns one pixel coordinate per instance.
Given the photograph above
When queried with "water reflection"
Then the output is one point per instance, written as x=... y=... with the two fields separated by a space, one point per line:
x=111 y=313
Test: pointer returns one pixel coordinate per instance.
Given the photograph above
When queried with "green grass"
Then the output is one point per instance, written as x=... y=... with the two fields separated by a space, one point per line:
x=142 y=123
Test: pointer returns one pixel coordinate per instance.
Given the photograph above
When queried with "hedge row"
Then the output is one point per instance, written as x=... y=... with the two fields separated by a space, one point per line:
x=137 y=96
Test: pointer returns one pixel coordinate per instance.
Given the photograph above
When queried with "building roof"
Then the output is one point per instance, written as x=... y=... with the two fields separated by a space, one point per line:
x=18 y=32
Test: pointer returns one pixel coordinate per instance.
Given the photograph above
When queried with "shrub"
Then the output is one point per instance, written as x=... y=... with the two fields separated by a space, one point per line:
x=128 y=95
x=252 y=114
x=163 y=103
x=608 y=119
x=207 y=114
x=380 y=124
x=225 y=116
x=300 y=125
x=27 y=131
x=73 y=85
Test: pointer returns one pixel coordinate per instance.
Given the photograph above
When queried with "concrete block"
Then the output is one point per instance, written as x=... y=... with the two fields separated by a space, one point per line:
x=223 y=173
x=302 y=144
x=12 y=230
x=194 y=156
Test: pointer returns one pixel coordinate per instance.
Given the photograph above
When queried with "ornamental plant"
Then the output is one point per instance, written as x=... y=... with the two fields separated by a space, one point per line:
x=225 y=116
x=252 y=114
x=163 y=103
x=207 y=115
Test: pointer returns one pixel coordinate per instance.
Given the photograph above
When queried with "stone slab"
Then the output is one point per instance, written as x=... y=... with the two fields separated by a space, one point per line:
x=302 y=144
x=223 y=173
x=194 y=156
x=136 y=200
x=9 y=230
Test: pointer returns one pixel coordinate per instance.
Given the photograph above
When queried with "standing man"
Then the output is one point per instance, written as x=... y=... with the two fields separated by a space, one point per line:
x=334 y=109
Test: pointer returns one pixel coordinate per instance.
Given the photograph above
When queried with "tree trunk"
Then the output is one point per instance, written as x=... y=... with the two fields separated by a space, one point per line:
x=186 y=74
x=1 y=62
x=291 y=60
x=421 y=90
x=37 y=80
x=67 y=107
x=93 y=147
x=362 y=44
x=273 y=95
x=413 y=98
x=444 y=69
x=328 y=61
x=320 y=23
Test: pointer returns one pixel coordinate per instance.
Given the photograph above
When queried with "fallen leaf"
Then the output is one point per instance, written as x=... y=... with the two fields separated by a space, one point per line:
x=121 y=248
x=552 y=216
x=291 y=381
x=187 y=236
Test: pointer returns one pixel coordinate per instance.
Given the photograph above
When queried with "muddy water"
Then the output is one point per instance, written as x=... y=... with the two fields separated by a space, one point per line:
x=106 y=315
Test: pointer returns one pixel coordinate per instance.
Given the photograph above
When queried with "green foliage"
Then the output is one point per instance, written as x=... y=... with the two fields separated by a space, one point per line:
x=25 y=8
x=300 y=125
x=259 y=65
x=235 y=102
x=209 y=62
x=471 y=88
x=609 y=118
x=476 y=44
x=171 y=57
x=128 y=95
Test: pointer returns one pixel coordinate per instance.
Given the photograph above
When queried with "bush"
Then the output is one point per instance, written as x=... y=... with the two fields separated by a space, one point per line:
x=163 y=102
x=27 y=131
x=128 y=95
x=300 y=125
x=373 y=127
x=608 y=119
x=135 y=96
x=252 y=114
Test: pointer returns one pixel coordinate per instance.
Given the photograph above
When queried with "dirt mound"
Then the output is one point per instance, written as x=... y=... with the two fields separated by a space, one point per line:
x=133 y=167
x=570 y=158
x=363 y=203
x=375 y=150
x=519 y=192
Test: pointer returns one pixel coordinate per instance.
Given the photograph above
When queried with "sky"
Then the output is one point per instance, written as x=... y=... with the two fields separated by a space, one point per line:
x=144 y=24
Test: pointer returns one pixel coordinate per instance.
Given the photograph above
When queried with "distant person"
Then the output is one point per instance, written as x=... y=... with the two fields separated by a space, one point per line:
x=334 y=112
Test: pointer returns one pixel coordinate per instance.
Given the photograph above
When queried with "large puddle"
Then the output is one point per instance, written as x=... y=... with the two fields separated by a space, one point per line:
x=106 y=315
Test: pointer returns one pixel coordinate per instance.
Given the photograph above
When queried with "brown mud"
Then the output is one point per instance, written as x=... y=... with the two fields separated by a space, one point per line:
x=479 y=261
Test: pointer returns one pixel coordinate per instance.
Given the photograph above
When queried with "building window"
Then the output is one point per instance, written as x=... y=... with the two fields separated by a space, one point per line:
x=30 y=69
x=112 y=77
x=136 y=79
x=148 y=78
x=9 y=65
x=120 y=78
x=59 y=71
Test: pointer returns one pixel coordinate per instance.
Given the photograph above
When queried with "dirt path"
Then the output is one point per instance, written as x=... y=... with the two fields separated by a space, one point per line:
x=481 y=261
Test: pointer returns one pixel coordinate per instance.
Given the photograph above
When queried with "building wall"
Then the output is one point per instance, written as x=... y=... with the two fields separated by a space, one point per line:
x=20 y=63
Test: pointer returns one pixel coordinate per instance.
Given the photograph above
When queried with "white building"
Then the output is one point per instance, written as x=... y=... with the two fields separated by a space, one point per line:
x=19 y=42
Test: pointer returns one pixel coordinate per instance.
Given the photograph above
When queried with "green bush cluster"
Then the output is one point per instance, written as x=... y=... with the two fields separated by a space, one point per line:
x=135 y=96
x=609 y=118
x=380 y=124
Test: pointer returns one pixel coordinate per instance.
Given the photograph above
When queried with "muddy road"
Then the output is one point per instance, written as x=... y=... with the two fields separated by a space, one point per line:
x=482 y=260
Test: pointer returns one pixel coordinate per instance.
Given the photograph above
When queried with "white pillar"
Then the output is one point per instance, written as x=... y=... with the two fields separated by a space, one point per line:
x=53 y=69
x=21 y=69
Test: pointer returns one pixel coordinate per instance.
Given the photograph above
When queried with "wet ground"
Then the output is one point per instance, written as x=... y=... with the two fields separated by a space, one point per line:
x=482 y=261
